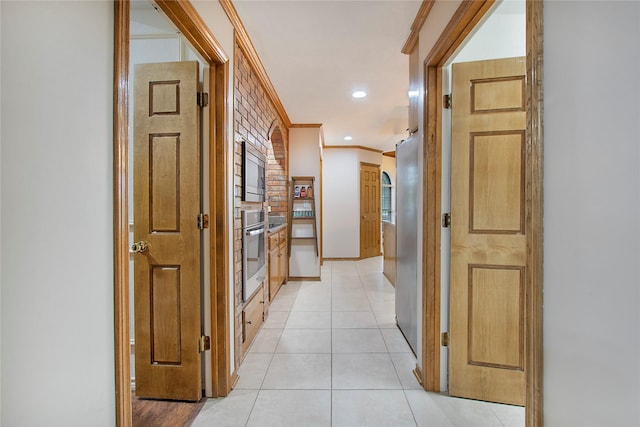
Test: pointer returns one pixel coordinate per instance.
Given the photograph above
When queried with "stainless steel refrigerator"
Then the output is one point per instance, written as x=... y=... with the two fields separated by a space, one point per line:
x=407 y=188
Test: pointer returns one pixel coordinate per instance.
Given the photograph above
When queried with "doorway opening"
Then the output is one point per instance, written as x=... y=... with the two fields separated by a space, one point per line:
x=216 y=361
x=463 y=23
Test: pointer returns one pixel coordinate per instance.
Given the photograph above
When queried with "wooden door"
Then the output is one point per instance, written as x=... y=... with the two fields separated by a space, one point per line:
x=166 y=206
x=487 y=323
x=369 y=210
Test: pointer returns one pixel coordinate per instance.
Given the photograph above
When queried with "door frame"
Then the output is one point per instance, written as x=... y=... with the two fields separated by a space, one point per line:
x=190 y=24
x=464 y=20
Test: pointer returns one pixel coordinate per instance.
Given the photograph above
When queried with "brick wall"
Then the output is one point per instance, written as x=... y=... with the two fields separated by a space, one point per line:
x=257 y=122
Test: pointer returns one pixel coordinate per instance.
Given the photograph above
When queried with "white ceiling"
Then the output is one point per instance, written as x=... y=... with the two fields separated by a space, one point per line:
x=317 y=53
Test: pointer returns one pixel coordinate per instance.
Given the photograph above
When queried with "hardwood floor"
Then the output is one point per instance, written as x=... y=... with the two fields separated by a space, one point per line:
x=163 y=413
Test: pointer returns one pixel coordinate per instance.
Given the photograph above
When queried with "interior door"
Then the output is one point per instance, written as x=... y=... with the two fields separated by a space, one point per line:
x=369 y=210
x=487 y=313
x=166 y=206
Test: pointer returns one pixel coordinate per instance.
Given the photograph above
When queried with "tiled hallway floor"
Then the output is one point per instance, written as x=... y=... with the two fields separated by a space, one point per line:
x=330 y=354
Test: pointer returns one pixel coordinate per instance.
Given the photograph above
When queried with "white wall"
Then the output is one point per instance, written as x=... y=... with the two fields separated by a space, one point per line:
x=591 y=212
x=57 y=221
x=341 y=199
x=500 y=35
x=304 y=160
x=341 y=203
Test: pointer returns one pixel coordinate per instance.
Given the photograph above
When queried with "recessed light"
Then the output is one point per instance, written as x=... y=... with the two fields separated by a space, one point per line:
x=359 y=94
x=348 y=138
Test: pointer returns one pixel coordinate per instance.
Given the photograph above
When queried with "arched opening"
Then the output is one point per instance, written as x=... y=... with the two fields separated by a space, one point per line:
x=277 y=173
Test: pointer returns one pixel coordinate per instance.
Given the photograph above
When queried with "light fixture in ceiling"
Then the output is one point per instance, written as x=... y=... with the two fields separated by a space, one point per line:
x=359 y=94
x=348 y=138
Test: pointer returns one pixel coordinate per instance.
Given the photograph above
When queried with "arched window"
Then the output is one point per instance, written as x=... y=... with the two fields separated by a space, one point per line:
x=385 y=193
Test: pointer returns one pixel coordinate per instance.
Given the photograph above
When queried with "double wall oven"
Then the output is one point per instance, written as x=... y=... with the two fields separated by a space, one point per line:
x=254 y=231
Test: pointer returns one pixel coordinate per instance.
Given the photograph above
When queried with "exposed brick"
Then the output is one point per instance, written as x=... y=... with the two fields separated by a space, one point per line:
x=253 y=118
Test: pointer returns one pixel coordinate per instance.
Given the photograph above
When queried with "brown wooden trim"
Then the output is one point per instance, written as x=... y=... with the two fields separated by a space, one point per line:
x=418 y=22
x=219 y=254
x=244 y=41
x=461 y=24
x=120 y=213
x=320 y=201
x=373 y=165
x=351 y=147
x=466 y=17
x=468 y=14
x=417 y=373
x=305 y=125
x=389 y=154
x=190 y=24
x=431 y=233
x=535 y=156
x=304 y=279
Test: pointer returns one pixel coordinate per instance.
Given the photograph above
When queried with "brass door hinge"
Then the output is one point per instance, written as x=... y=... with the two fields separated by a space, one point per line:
x=204 y=344
x=444 y=339
x=203 y=221
x=203 y=99
x=447 y=101
x=446 y=220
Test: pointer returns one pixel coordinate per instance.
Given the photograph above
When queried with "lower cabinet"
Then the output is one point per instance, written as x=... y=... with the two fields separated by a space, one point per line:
x=255 y=310
x=252 y=318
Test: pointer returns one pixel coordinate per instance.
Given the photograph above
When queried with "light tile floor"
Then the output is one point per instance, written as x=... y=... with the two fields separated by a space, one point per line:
x=330 y=354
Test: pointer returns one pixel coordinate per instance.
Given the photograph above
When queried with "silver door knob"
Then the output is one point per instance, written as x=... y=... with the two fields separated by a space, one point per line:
x=139 y=247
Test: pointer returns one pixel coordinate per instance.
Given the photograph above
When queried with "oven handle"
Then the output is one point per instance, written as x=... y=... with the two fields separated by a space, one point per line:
x=255 y=232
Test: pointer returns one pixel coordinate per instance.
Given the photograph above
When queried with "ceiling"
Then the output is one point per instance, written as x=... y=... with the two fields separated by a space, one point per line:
x=317 y=53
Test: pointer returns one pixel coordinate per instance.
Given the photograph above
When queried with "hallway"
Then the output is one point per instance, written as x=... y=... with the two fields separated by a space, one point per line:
x=330 y=354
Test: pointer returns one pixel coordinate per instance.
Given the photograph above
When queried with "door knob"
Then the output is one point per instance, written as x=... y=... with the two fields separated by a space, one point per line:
x=139 y=247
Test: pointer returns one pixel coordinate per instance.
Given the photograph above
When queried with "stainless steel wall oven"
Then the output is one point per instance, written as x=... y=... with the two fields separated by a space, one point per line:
x=253 y=251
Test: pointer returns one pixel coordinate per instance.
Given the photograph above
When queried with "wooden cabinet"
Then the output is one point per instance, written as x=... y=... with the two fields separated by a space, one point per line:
x=277 y=261
x=252 y=318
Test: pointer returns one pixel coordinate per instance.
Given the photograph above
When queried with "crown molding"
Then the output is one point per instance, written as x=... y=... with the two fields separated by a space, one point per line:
x=306 y=125
x=245 y=43
x=418 y=22
x=350 y=147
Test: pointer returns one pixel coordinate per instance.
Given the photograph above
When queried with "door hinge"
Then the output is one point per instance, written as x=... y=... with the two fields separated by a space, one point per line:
x=203 y=221
x=203 y=99
x=444 y=339
x=204 y=343
x=446 y=101
x=446 y=220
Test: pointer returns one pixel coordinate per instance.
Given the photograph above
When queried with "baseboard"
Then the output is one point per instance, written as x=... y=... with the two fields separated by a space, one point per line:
x=305 y=279
x=389 y=279
x=418 y=374
x=350 y=259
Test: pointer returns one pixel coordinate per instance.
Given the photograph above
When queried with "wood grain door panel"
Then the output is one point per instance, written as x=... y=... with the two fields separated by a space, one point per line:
x=369 y=210
x=488 y=235
x=166 y=204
